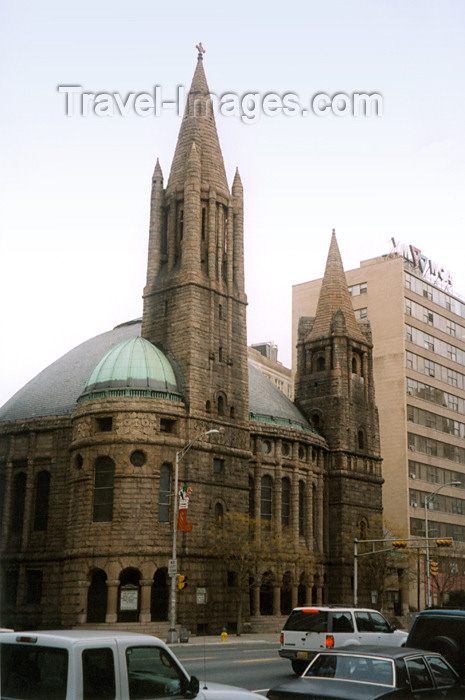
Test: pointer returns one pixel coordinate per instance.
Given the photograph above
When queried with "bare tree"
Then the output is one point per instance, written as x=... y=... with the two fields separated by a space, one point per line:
x=247 y=547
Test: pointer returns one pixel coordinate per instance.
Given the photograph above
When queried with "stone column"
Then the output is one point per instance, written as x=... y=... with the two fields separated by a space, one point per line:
x=83 y=596
x=276 y=600
x=145 y=599
x=294 y=596
x=112 y=601
x=255 y=601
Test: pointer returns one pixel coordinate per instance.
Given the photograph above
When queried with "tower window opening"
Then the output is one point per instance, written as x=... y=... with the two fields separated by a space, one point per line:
x=181 y=224
x=105 y=424
x=204 y=219
x=320 y=364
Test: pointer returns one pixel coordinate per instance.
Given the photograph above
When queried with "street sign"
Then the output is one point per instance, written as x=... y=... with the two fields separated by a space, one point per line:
x=172 y=567
x=201 y=596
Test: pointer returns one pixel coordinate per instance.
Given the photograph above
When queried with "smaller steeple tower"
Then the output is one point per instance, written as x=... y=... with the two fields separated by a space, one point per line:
x=335 y=389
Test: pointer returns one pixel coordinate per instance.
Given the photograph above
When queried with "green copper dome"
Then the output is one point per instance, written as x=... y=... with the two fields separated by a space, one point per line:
x=133 y=368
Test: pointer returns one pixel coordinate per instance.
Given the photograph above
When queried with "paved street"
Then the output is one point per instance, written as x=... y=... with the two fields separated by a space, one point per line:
x=250 y=661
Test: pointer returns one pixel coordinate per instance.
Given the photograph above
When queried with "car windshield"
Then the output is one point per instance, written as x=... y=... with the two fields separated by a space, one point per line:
x=367 y=669
x=307 y=620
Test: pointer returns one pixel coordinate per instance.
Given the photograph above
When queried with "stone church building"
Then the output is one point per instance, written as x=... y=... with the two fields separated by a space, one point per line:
x=88 y=447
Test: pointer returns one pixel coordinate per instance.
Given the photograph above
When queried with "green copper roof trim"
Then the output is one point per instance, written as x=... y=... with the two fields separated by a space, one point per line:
x=261 y=418
x=134 y=367
x=131 y=393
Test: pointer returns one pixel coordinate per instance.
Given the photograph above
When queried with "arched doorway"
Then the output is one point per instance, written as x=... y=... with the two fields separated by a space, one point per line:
x=266 y=594
x=129 y=595
x=159 y=596
x=97 y=596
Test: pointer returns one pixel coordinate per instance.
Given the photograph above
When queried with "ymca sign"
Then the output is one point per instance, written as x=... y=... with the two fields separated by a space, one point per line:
x=415 y=256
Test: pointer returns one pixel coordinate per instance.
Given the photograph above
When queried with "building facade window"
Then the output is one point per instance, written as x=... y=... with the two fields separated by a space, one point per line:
x=301 y=508
x=33 y=586
x=218 y=466
x=103 y=490
x=19 y=496
x=41 y=500
x=266 y=498
x=251 y=498
x=285 y=502
x=164 y=494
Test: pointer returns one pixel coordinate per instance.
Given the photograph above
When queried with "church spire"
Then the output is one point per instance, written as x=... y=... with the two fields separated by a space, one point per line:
x=334 y=310
x=199 y=125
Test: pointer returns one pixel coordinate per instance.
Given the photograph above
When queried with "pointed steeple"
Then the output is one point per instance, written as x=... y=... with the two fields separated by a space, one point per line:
x=335 y=313
x=199 y=125
x=157 y=173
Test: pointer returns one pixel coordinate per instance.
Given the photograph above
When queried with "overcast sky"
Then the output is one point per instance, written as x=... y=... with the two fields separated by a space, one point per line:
x=75 y=190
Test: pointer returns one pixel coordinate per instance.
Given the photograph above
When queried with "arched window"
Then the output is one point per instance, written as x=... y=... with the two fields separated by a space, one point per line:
x=285 y=502
x=266 y=495
x=363 y=529
x=219 y=515
x=301 y=508
x=251 y=498
x=220 y=405
x=103 y=490
x=42 y=499
x=164 y=494
x=361 y=440
x=19 y=495
x=354 y=365
x=320 y=363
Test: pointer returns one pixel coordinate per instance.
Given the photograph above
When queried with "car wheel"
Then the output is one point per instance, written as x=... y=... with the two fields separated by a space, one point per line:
x=448 y=648
x=299 y=667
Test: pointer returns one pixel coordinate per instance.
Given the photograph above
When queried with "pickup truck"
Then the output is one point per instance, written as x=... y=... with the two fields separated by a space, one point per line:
x=94 y=665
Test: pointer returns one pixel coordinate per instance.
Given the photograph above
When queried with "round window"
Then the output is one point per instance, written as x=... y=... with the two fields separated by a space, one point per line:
x=138 y=458
x=266 y=447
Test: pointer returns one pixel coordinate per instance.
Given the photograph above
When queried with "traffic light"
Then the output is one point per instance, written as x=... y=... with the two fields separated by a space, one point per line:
x=444 y=543
x=399 y=544
x=182 y=581
x=433 y=568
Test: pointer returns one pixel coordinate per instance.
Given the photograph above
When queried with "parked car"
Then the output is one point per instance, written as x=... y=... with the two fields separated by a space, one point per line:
x=312 y=629
x=441 y=630
x=106 y=665
x=369 y=672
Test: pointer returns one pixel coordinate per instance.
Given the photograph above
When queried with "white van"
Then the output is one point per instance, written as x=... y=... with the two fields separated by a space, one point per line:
x=310 y=629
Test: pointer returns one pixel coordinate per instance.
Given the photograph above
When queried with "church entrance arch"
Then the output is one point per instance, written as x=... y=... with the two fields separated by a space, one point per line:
x=97 y=596
x=159 y=596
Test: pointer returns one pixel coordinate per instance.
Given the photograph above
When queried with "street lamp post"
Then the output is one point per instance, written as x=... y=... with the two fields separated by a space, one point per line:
x=172 y=633
x=429 y=498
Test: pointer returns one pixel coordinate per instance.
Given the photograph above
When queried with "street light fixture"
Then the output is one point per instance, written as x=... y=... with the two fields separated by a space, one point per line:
x=173 y=568
x=429 y=498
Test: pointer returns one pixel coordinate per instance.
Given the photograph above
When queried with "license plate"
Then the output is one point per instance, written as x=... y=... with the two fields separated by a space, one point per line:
x=302 y=654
